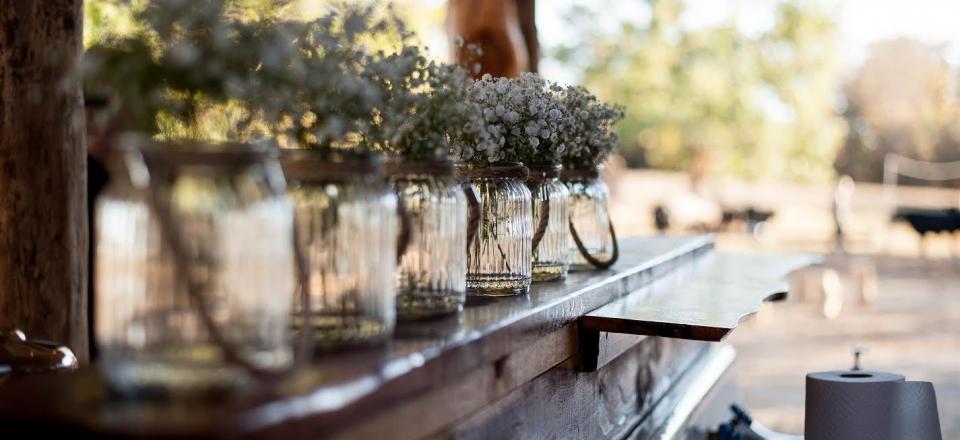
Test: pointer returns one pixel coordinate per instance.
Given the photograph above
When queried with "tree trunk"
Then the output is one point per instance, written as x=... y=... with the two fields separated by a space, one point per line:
x=43 y=213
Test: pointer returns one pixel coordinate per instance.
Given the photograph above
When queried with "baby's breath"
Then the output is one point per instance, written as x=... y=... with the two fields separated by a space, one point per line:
x=425 y=115
x=522 y=118
x=588 y=131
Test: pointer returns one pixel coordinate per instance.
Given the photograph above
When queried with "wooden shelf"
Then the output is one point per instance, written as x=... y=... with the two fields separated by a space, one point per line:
x=497 y=345
x=492 y=368
x=703 y=301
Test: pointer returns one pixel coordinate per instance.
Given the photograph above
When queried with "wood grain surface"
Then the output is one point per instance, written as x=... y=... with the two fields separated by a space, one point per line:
x=43 y=209
x=702 y=301
x=429 y=376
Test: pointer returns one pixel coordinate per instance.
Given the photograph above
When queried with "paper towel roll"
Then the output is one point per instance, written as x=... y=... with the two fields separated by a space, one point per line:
x=918 y=409
x=869 y=405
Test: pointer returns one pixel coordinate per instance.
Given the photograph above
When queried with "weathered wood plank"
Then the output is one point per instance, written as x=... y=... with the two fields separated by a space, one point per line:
x=462 y=396
x=342 y=389
x=669 y=418
x=598 y=349
x=702 y=301
x=43 y=211
x=607 y=403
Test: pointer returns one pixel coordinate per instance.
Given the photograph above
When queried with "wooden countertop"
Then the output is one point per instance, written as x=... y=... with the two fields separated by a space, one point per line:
x=703 y=301
x=342 y=387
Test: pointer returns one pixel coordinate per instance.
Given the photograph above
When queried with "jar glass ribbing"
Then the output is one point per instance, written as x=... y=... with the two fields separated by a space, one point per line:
x=551 y=253
x=588 y=213
x=431 y=276
x=346 y=216
x=232 y=214
x=499 y=262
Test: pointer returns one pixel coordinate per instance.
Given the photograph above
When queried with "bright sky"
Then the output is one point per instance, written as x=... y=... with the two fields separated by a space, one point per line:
x=932 y=21
x=862 y=22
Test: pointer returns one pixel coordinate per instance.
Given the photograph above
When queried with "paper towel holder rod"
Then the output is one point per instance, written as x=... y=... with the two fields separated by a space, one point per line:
x=857 y=351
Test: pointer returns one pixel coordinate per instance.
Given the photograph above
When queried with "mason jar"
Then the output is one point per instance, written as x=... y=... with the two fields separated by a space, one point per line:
x=590 y=222
x=499 y=261
x=346 y=219
x=551 y=234
x=194 y=267
x=431 y=276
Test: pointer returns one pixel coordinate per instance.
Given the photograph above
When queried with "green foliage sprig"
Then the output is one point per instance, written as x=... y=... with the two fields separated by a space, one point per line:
x=300 y=82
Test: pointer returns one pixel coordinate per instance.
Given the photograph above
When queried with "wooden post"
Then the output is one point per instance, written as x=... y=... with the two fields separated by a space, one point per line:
x=43 y=213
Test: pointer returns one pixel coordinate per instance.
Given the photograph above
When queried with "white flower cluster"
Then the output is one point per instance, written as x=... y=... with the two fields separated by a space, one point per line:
x=589 y=131
x=336 y=98
x=522 y=118
x=424 y=114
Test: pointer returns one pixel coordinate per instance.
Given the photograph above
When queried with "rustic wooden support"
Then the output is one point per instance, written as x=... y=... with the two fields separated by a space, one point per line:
x=705 y=301
x=43 y=213
x=531 y=366
x=432 y=377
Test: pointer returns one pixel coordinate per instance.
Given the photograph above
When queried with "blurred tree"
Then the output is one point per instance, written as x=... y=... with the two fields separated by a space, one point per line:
x=106 y=19
x=899 y=102
x=798 y=59
x=713 y=99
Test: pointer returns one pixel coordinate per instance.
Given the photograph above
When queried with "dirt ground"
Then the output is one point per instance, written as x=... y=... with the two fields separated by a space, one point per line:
x=802 y=214
x=912 y=327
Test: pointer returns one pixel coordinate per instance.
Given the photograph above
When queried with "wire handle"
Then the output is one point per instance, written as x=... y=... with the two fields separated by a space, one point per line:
x=542 y=224
x=473 y=212
x=172 y=236
x=406 y=228
x=599 y=264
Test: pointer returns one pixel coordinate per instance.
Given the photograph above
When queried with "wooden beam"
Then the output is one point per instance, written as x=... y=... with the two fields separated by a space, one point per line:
x=43 y=213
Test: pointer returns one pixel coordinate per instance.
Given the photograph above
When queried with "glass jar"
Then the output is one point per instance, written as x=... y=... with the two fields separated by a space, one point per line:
x=346 y=217
x=590 y=222
x=551 y=234
x=431 y=277
x=219 y=214
x=499 y=262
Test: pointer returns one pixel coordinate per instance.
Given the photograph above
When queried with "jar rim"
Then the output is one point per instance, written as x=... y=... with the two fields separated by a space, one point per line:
x=545 y=167
x=540 y=174
x=434 y=167
x=499 y=169
x=188 y=152
x=310 y=164
x=580 y=173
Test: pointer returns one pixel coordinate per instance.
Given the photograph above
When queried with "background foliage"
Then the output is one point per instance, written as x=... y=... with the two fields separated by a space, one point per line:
x=902 y=100
x=713 y=100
